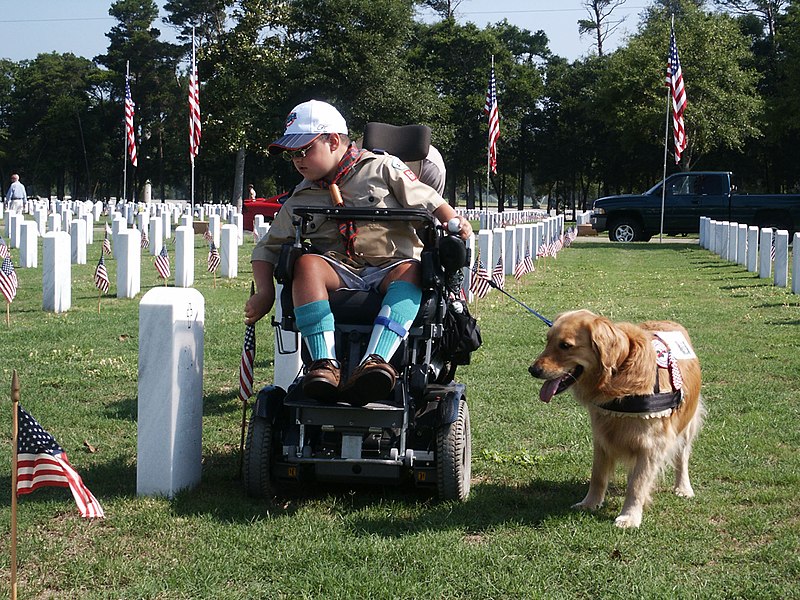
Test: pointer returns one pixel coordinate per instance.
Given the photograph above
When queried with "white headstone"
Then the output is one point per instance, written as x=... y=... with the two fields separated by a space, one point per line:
x=796 y=264
x=28 y=245
x=237 y=221
x=15 y=224
x=214 y=228
x=184 y=256
x=229 y=252
x=764 y=253
x=166 y=224
x=741 y=245
x=77 y=233
x=752 y=249
x=510 y=251
x=781 y=268
x=88 y=218
x=128 y=254
x=54 y=222
x=170 y=391
x=40 y=217
x=56 y=272
x=156 y=236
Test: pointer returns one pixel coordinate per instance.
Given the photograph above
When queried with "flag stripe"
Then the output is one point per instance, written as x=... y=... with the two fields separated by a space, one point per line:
x=131 y=134
x=194 y=112
x=490 y=109
x=675 y=82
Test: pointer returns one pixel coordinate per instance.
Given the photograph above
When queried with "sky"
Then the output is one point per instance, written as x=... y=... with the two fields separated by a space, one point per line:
x=29 y=27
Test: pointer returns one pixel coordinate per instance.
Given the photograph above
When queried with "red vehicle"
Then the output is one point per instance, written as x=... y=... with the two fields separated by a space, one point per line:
x=262 y=206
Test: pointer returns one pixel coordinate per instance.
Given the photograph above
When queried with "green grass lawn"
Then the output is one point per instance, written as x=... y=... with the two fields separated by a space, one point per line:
x=516 y=537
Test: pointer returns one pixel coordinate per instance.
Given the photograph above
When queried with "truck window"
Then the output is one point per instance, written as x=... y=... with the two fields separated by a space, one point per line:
x=711 y=185
x=683 y=186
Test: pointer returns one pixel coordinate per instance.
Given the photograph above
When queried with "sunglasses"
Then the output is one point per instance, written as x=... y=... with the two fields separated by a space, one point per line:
x=290 y=155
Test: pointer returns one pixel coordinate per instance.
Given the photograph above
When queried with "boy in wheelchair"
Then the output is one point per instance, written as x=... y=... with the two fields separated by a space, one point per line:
x=363 y=255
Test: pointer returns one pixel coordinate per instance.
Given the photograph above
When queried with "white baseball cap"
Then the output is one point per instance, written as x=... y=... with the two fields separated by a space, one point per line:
x=305 y=123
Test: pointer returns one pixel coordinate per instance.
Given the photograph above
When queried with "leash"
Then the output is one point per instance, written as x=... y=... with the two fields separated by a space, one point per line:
x=545 y=320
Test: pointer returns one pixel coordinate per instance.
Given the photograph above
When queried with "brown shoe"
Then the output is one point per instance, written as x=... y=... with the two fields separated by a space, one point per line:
x=322 y=379
x=371 y=380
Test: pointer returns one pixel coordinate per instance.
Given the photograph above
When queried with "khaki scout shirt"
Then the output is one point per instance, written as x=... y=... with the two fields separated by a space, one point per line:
x=376 y=181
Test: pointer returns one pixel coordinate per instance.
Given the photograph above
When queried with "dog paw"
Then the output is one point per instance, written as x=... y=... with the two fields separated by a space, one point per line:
x=628 y=521
x=684 y=492
x=584 y=505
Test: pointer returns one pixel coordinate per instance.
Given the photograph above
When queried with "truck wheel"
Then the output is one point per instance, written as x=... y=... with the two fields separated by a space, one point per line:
x=625 y=230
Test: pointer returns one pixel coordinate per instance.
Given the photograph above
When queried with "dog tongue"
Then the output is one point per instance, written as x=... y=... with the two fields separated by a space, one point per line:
x=549 y=389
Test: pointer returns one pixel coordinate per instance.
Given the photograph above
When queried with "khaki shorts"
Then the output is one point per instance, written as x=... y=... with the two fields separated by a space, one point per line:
x=370 y=278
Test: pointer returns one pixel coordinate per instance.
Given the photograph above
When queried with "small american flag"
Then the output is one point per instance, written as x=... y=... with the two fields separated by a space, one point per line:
x=519 y=269
x=213 y=258
x=207 y=235
x=491 y=110
x=479 y=283
x=101 y=275
x=248 y=360
x=145 y=239
x=8 y=280
x=162 y=264
x=771 y=250
x=498 y=274
x=675 y=83
x=4 y=253
x=41 y=462
x=131 y=134
x=529 y=268
x=106 y=245
x=194 y=110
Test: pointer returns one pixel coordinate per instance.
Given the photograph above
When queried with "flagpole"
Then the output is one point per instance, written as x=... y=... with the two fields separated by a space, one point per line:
x=489 y=155
x=666 y=152
x=14 y=442
x=125 y=142
x=191 y=132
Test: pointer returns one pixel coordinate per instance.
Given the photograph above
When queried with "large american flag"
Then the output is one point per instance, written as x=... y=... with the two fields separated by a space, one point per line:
x=131 y=135
x=675 y=83
x=8 y=279
x=498 y=273
x=194 y=112
x=162 y=264
x=248 y=360
x=494 y=121
x=479 y=282
x=41 y=462
x=101 y=275
x=213 y=258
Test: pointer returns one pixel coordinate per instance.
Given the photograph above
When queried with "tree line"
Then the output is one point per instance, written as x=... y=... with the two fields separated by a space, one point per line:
x=570 y=131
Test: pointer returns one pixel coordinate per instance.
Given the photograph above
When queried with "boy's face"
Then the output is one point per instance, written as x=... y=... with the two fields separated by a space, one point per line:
x=321 y=159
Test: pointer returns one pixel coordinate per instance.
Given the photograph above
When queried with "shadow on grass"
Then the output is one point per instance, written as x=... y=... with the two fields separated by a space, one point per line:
x=126 y=409
x=221 y=495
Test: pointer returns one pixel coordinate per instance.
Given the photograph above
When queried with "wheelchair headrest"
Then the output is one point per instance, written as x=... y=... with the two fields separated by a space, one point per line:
x=407 y=142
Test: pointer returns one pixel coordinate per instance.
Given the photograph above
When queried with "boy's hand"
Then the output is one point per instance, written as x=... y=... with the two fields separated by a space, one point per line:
x=257 y=306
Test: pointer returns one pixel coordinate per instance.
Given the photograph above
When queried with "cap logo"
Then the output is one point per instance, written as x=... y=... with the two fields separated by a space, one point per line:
x=291 y=118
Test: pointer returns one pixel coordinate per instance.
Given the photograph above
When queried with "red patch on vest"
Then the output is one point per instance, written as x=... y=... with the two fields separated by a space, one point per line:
x=410 y=174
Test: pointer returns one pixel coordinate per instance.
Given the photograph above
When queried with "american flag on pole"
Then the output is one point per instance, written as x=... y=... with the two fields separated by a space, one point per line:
x=41 y=462
x=490 y=108
x=101 y=275
x=248 y=360
x=194 y=111
x=162 y=264
x=207 y=235
x=4 y=253
x=675 y=83
x=498 y=273
x=519 y=269
x=8 y=280
x=106 y=243
x=213 y=258
x=145 y=240
x=131 y=134
x=528 y=262
x=479 y=283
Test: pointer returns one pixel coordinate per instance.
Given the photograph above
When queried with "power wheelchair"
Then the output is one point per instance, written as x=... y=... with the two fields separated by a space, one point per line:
x=419 y=434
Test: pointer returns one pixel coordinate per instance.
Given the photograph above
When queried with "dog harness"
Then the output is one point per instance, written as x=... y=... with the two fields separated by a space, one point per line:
x=658 y=404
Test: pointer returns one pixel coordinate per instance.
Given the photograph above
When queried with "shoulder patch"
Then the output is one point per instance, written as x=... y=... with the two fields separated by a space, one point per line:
x=398 y=164
x=410 y=174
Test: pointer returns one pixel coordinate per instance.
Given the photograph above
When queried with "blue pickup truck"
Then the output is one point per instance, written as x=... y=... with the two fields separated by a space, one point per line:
x=689 y=196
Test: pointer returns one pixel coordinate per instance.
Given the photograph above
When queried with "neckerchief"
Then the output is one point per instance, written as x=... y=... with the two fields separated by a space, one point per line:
x=347 y=228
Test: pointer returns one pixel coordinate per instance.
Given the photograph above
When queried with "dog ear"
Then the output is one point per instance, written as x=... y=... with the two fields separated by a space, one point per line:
x=611 y=346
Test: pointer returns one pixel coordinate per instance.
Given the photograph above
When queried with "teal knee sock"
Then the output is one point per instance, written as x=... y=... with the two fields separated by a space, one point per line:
x=400 y=307
x=315 y=322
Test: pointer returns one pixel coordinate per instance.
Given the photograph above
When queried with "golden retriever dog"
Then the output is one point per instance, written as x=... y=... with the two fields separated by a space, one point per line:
x=643 y=399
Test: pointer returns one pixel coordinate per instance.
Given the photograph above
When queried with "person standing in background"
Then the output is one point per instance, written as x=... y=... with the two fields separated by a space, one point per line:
x=16 y=193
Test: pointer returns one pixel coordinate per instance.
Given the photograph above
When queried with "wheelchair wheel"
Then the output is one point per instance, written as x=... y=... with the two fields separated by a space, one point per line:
x=258 y=458
x=454 y=457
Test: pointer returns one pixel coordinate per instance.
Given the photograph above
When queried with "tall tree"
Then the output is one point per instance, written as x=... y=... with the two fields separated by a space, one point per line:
x=600 y=23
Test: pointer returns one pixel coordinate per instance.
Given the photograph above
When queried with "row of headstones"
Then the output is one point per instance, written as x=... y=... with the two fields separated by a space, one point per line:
x=493 y=219
x=510 y=244
x=753 y=249
x=59 y=253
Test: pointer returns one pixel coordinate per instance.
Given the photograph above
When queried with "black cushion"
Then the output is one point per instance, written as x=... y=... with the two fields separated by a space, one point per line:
x=407 y=142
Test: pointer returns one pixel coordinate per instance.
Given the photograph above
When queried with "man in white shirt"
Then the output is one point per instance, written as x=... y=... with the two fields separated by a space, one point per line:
x=15 y=195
